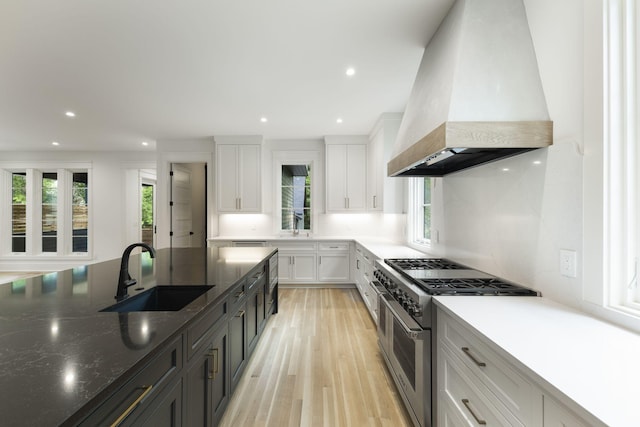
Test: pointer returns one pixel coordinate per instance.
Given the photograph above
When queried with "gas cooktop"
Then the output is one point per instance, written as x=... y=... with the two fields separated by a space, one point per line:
x=439 y=276
x=478 y=286
x=424 y=264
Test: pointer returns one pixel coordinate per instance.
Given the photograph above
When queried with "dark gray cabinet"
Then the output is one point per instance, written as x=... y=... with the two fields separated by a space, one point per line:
x=237 y=343
x=207 y=391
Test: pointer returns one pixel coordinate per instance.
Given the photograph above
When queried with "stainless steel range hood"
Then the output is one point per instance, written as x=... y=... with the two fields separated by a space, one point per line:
x=478 y=94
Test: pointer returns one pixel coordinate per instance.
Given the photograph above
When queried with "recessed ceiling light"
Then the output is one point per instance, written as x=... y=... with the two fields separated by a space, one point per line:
x=56 y=143
x=263 y=119
x=338 y=120
x=537 y=162
x=145 y=143
x=505 y=169
x=350 y=71
x=70 y=114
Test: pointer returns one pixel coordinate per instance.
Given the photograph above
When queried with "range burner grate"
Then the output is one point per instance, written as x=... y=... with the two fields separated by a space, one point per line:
x=473 y=287
x=423 y=264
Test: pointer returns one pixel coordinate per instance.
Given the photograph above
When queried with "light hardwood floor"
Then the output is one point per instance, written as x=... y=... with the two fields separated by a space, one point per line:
x=317 y=364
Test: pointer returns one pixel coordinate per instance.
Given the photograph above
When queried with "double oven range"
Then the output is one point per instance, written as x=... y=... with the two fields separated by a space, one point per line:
x=406 y=320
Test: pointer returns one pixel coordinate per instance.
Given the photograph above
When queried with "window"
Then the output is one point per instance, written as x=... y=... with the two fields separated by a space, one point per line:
x=18 y=212
x=49 y=212
x=612 y=182
x=420 y=210
x=296 y=197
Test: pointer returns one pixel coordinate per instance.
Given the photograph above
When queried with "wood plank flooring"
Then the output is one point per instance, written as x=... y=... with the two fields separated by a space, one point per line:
x=317 y=364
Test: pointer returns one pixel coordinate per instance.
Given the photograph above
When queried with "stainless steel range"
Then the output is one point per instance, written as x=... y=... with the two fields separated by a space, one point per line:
x=406 y=323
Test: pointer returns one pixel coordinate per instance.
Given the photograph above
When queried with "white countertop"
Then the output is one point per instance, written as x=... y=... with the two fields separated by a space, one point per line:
x=570 y=354
x=381 y=248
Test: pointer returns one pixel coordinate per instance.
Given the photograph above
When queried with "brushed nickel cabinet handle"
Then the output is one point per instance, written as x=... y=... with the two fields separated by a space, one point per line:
x=470 y=356
x=129 y=410
x=467 y=404
x=240 y=313
x=375 y=202
x=239 y=295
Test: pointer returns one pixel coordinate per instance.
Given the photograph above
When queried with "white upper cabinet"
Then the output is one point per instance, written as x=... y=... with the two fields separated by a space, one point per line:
x=238 y=180
x=384 y=194
x=346 y=180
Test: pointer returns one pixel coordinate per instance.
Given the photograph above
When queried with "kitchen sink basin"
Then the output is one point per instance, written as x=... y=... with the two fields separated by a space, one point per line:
x=159 y=298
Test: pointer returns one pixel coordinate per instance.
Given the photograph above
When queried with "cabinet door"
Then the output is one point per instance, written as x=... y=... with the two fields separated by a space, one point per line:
x=249 y=179
x=227 y=177
x=237 y=344
x=356 y=177
x=336 y=178
x=207 y=389
x=303 y=268
x=376 y=172
x=333 y=267
x=253 y=322
x=284 y=267
x=165 y=411
x=238 y=178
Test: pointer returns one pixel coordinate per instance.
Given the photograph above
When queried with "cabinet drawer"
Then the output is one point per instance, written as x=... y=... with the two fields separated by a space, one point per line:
x=334 y=246
x=237 y=295
x=256 y=277
x=197 y=333
x=132 y=399
x=511 y=388
x=295 y=246
x=466 y=397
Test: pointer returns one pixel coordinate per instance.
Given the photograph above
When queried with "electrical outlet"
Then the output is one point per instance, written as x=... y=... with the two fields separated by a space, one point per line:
x=568 y=263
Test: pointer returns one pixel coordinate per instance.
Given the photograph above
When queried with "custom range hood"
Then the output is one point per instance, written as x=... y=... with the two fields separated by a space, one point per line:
x=478 y=95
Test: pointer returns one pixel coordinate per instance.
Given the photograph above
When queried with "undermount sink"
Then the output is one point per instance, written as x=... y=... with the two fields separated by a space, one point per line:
x=159 y=298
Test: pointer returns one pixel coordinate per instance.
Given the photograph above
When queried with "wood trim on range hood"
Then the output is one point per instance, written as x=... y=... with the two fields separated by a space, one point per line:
x=454 y=146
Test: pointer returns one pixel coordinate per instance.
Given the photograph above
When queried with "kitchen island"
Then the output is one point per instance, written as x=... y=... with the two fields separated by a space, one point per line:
x=61 y=357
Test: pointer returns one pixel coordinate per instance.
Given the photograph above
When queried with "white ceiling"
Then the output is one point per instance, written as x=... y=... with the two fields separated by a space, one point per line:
x=147 y=70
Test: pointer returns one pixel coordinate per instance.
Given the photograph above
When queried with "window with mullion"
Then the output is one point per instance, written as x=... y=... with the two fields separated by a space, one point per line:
x=19 y=212
x=49 y=212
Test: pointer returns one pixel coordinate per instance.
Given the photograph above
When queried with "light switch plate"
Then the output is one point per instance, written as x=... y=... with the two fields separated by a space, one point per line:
x=568 y=263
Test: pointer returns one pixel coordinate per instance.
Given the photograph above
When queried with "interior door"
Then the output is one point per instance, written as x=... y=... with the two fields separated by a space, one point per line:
x=180 y=204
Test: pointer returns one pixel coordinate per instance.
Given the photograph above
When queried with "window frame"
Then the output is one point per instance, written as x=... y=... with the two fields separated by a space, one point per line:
x=611 y=181
x=281 y=158
x=415 y=212
x=64 y=238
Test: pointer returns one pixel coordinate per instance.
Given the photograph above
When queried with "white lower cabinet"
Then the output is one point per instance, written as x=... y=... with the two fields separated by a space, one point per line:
x=333 y=262
x=363 y=275
x=296 y=268
x=476 y=386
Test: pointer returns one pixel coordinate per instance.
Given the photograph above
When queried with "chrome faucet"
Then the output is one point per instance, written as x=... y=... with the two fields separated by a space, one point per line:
x=125 y=280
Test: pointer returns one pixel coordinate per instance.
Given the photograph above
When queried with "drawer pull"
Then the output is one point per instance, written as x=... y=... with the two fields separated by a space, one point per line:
x=476 y=361
x=240 y=313
x=213 y=353
x=125 y=414
x=467 y=404
x=239 y=295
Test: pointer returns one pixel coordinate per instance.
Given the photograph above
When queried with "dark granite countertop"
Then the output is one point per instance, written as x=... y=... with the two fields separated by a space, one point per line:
x=58 y=351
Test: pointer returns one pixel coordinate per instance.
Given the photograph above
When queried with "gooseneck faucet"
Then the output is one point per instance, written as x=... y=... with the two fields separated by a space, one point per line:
x=125 y=280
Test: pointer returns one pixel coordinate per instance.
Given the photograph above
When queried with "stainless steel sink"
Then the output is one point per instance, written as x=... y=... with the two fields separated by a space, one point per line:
x=159 y=298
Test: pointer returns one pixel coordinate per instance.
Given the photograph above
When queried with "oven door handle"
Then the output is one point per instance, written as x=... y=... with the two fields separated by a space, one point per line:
x=409 y=326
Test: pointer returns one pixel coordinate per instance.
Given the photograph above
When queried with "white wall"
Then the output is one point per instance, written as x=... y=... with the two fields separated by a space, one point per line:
x=110 y=206
x=514 y=223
